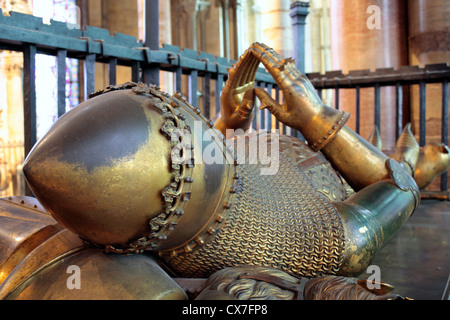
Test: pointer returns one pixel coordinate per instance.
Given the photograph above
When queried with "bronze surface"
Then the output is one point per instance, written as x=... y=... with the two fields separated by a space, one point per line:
x=433 y=160
x=24 y=226
x=276 y=220
x=106 y=172
x=103 y=276
x=131 y=196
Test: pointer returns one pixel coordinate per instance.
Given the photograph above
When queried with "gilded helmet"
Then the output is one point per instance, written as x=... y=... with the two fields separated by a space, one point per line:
x=125 y=168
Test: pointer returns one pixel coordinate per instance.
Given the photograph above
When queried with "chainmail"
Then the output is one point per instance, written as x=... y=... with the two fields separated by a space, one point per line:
x=277 y=221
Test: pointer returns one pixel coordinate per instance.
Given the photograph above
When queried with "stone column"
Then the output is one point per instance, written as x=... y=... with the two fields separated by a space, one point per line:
x=277 y=27
x=299 y=12
x=165 y=36
x=369 y=34
x=11 y=111
x=429 y=43
x=116 y=16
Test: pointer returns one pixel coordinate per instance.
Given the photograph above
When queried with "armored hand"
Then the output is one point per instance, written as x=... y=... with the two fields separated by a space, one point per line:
x=359 y=162
x=238 y=95
x=302 y=110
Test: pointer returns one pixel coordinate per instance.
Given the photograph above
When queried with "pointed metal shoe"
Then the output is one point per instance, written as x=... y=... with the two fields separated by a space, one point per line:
x=375 y=139
x=434 y=160
x=407 y=149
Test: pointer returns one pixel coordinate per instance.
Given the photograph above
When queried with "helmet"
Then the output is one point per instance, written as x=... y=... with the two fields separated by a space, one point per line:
x=121 y=171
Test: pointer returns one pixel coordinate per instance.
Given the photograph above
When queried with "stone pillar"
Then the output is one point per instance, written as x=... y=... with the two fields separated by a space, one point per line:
x=429 y=43
x=11 y=111
x=277 y=27
x=165 y=36
x=318 y=47
x=369 y=34
x=299 y=12
x=116 y=16
x=11 y=124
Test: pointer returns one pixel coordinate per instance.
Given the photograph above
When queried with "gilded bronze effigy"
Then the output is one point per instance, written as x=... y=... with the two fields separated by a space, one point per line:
x=136 y=172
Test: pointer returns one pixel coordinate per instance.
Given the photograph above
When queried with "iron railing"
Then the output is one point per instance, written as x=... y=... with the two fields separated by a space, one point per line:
x=28 y=34
x=403 y=78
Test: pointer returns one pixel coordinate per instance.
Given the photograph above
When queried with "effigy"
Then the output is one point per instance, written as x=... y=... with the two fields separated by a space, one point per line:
x=135 y=187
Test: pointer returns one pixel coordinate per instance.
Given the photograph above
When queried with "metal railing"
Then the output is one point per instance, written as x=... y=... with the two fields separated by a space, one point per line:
x=403 y=77
x=28 y=34
x=406 y=77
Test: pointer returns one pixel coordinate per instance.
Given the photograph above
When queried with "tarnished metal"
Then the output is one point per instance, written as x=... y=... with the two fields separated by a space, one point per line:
x=323 y=127
x=375 y=139
x=126 y=172
x=434 y=159
x=24 y=226
x=264 y=283
x=126 y=168
x=102 y=277
x=275 y=220
x=252 y=283
x=340 y=288
x=407 y=150
x=36 y=256
x=237 y=98
x=318 y=123
x=423 y=163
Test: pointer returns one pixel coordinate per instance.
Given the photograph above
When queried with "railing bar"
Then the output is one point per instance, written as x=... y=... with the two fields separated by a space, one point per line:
x=29 y=97
x=89 y=75
x=406 y=76
x=193 y=88
x=377 y=116
x=255 y=121
x=207 y=95
x=112 y=69
x=178 y=79
x=422 y=113
x=219 y=86
x=267 y=113
x=262 y=113
x=284 y=131
x=151 y=39
x=257 y=111
x=151 y=74
x=336 y=98
x=151 y=12
x=277 y=98
x=399 y=110
x=445 y=116
x=135 y=71
x=61 y=81
x=358 y=109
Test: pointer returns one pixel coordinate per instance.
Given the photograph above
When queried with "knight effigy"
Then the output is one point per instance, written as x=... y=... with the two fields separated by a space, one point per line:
x=124 y=192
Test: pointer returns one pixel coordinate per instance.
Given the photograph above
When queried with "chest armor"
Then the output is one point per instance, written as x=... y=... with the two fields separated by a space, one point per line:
x=284 y=220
